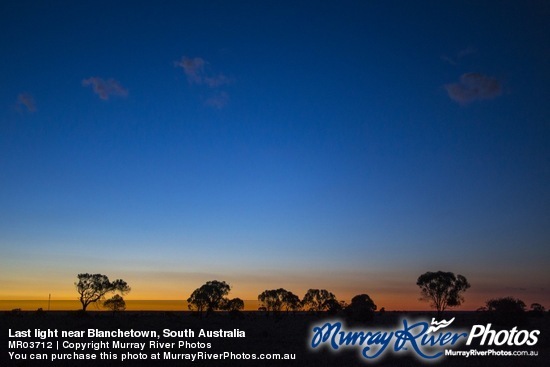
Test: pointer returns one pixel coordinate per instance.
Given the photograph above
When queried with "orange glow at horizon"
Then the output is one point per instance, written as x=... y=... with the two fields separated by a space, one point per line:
x=389 y=292
x=390 y=302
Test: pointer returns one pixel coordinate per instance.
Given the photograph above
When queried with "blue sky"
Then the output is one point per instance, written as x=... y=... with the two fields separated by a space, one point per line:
x=351 y=145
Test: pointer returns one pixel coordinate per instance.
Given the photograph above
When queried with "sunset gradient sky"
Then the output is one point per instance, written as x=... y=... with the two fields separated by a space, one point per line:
x=348 y=145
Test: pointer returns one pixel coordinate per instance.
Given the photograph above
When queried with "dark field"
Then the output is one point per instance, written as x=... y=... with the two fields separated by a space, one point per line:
x=283 y=334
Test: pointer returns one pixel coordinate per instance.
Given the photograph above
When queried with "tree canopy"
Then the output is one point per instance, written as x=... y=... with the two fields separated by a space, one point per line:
x=361 y=308
x=291 y=302
x=272 y=300
x=442 y=289
x=319 y=300
x=506 y=305
x=210 y=297
x=275 y=300
x=94 y=287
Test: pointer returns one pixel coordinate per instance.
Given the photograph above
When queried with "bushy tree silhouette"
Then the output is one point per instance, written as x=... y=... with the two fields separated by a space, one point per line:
x=442 y=289
x=115 y=303
x=506 y=311
x=319 y=300
x=210 y=297
x=291 y=302
x=234 y=307
x=361 y=308
x=271 y=300
x=234 y=304
x=506 y=305
x=276 y=300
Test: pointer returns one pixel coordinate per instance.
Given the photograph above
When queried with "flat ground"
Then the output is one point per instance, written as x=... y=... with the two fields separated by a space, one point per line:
x=284 y=334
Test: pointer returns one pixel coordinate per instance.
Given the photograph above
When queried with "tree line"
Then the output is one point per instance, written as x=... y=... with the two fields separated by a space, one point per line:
x=442 y=290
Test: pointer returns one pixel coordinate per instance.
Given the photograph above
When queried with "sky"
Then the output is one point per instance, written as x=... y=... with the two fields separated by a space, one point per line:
x=349 y=145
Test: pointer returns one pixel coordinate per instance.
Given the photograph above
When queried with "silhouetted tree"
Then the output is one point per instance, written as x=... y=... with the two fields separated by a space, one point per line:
x=333 y=306
x=94 y=287
x=198 y=301
x=506 y=305
x=234 y=304
x=506 y=310
x=274 y=300
x=361 y=308
x=318 y=300
x=115 y=303
x=292 y=302
x=234 y=307
x=442 y=289
x=210 y=296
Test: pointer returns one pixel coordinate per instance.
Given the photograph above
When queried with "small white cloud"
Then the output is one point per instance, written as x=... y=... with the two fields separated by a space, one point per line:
x=105 y=88
x=474 y=87
x=25 y=99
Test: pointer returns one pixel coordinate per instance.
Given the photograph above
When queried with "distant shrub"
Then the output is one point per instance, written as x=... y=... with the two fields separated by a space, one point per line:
x=361 y=308
x=234 y=304
x=115 y=303
x=507 y=305
x=506 y=311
